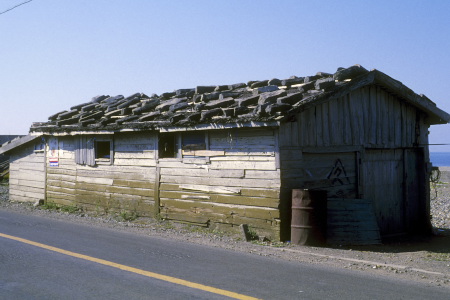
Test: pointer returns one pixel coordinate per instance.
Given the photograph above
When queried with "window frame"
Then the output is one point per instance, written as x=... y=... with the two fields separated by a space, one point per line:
x=179 y=152
x=193 y=147
x=39 y=147
x=103 y=160
x=172 y=137
x=86 y=150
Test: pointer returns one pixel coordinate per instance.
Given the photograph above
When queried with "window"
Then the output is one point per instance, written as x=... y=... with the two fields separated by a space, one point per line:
x=93 y=150
x=102 y=150
x=182 y=145
x=192 y=141
x=168 y=147
x=39 y=146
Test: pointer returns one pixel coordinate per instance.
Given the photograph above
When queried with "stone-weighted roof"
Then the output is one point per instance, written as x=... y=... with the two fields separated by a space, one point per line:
x=260 y=101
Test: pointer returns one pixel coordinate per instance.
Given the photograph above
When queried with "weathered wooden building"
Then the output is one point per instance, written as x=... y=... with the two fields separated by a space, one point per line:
x=4 y=160
x=231 y=154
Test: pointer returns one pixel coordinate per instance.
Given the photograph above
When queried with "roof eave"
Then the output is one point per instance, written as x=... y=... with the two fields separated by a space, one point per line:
x=435 y=115
x=17 y=143
x=166 y=128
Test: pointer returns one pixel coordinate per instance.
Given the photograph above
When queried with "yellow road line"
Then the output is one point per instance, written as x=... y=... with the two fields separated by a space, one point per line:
x=133 y=270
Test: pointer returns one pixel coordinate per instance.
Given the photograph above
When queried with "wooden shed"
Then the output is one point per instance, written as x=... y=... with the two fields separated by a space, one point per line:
x=227 y=155
x=4 y=160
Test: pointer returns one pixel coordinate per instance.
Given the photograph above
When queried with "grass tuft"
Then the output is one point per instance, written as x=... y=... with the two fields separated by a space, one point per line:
x=126 y=216
x=63 y=208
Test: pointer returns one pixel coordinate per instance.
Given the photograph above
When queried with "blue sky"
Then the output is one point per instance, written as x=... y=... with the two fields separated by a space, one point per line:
x=58 y=53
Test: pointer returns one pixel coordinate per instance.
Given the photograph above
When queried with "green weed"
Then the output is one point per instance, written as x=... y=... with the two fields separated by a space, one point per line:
x=69 y=209
x=63 y=208
x=49 y=206
x=253 y=235
x=127 y=216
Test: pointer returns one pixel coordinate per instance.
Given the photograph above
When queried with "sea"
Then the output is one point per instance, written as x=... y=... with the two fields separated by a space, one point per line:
x=440 y=159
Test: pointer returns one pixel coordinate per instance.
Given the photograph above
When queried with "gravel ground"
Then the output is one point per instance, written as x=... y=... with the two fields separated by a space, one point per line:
x=440 y=206
x=422 y=259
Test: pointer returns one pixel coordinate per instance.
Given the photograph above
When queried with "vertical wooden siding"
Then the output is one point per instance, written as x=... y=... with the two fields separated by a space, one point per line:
x=370 y=125
x=334 y=172
x=369 y=116
x=395 y=182
x=417 y=208
x=27 y=175
x=383 y=184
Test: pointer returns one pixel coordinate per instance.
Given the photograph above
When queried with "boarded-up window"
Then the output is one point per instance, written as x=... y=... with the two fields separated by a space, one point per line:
x=193 y=144
x=89 y=151
x=84 y=151
x=193 y=141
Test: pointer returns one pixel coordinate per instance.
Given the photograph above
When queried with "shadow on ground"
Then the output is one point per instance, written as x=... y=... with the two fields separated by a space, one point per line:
x=438 y=242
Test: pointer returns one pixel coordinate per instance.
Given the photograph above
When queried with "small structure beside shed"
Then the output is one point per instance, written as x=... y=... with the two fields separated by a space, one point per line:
x=228 y=155
x=4 y=160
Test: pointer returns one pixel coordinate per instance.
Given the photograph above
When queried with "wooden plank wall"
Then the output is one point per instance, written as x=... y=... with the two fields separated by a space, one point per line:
x=334 y=172
x=128 y=184
x=425 y=169
x=352 y=222
x=417 y=211
x=368 y=116
x=27 y=175
x=241 y=186
x=383 y=184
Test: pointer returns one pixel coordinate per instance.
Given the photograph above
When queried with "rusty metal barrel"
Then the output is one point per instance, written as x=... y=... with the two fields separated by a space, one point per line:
x=309 y=217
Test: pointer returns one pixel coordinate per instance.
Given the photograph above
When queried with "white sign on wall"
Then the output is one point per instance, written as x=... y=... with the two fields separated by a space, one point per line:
x=53 y=152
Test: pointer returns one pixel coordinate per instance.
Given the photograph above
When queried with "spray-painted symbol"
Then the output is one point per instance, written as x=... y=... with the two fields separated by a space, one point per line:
x=337 y=175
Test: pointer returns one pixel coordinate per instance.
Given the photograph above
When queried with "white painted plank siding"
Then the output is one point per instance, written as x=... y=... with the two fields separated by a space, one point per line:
x=241 y=185
x=127 y=184
x=27 y=175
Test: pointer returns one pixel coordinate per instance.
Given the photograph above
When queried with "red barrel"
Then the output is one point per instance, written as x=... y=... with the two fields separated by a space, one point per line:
x=309 y=217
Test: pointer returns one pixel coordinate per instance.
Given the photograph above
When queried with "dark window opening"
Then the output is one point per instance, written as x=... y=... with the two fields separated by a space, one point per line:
x=167 y=146
x=39 y=147
x=103 y=149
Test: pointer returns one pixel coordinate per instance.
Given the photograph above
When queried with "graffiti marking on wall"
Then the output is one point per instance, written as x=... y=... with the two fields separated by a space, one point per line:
x=337 y=175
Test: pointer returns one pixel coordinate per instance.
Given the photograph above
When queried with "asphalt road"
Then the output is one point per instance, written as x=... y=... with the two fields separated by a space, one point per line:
x=132 y=266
